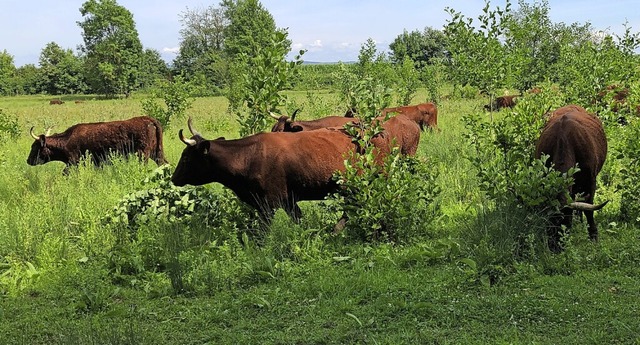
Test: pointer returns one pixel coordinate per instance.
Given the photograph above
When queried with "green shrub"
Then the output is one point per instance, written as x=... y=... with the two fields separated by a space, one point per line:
x=388 y=200
x=522 y=192
x=9 y=125
x=159 y=227
x=629 y=175
x=175 y=95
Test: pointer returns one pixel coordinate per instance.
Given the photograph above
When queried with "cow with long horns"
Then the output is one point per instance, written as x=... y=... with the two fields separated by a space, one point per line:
x=267 y=170
x=573 y=136
x=140 y=135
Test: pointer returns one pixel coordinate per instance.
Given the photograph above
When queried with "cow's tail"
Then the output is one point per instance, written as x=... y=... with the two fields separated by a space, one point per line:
x=159 y=149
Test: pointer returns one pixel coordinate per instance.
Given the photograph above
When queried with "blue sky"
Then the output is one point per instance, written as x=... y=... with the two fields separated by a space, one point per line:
x=330 y=30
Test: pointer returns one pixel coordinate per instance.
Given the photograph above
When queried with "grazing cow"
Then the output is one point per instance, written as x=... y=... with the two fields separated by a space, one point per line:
x=56 y=101
x=502 y=102
x=78 y=101
x=267 y=170
x=424 y=114
x=573 y=136
x=286 y=124
x=398 y=131
x=400 y=128
x=141 y=135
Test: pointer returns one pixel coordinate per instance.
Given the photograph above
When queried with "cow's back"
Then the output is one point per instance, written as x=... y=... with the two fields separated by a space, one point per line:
x=304 y=162
x=142 y=135
x=571 y=136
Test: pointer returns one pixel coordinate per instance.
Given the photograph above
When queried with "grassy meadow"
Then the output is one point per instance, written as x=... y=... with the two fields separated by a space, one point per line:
x=71 y=274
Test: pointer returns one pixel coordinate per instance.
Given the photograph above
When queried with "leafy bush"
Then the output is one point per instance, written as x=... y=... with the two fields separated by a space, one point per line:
x=521 y=189
x=382 y=200
x=175 y=95
x=260 y=81
x=160 y=227
x=408 y=81
x=629 y=184
x=389 y=202
x=9 y=125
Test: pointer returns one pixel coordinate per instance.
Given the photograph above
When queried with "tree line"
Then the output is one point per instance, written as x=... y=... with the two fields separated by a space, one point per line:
x=223 y=46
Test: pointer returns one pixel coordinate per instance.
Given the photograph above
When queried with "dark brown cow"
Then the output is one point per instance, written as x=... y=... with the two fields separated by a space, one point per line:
x=573 y=136
x=424 y=114
x=502 y=102
x=141 y=135
x=286 y=124
x=267 y=170
x=55 y=101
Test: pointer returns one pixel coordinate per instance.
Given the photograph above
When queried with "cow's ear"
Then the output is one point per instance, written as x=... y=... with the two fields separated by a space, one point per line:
x=221 y=138
x=43 y=140
x=296 y=128
x=204 y=146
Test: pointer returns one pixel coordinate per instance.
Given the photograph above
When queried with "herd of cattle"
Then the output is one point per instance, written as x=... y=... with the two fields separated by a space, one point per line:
x=297 y=159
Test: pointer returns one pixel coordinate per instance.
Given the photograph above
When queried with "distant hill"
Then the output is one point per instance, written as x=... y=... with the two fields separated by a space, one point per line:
x=326 y=63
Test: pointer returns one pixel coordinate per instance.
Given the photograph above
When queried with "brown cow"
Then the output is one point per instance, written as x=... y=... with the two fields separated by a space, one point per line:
x=502 y=102
x=424 y=114
x=56 y=101
x=573 y=136
x=286 y=124
x=267 y=170
x=400 y=128
x=141 y=135
x=398 y=131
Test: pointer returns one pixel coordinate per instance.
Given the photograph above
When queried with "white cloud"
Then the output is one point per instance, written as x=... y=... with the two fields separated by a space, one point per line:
x=316 y=44
x=173 y=50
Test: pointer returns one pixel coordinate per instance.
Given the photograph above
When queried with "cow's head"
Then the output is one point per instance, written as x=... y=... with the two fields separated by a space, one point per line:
x=196 y=165
x=286 y=124
x=40 y=152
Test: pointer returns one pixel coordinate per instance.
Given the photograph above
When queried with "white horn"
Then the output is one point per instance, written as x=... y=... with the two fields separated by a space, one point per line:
x=189 y=142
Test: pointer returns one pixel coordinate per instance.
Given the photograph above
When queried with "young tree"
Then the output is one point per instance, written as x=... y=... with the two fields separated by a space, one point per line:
x=476 y=55
x=7 y=73
x=61 y=71
x=249 y=40
x=266 y=75
x=112 y=47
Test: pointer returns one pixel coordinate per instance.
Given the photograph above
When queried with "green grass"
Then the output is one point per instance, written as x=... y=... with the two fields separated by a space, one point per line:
x=66 y=277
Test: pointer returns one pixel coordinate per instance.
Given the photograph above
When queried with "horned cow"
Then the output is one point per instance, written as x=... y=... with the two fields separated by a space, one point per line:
x=267 y=170
x=141 y=135
x=286 y=124
x=573 y=136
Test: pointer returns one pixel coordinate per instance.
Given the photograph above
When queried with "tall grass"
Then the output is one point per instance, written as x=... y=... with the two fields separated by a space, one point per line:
x=221 y=276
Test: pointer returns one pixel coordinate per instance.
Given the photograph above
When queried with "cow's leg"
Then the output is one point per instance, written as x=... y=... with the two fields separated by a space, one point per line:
x=293 y=210
x=559 y=229
x=593 y=229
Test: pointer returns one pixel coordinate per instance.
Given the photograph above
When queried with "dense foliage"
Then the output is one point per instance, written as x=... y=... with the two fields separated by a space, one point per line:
x=449 y=244
x=112 y=47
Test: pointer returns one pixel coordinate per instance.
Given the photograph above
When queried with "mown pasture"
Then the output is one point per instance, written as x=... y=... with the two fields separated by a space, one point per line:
x=69 y=275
